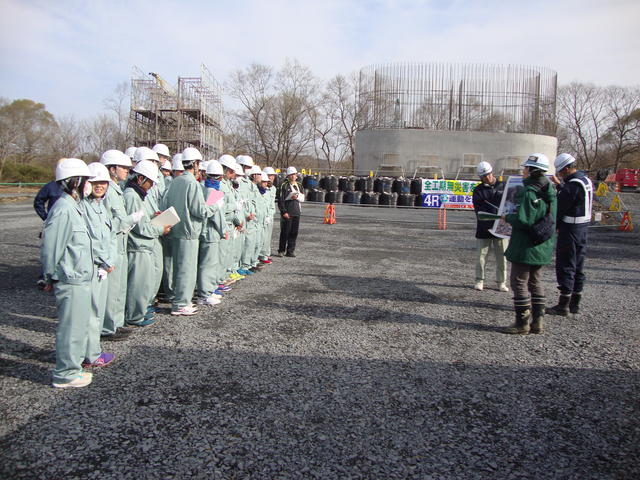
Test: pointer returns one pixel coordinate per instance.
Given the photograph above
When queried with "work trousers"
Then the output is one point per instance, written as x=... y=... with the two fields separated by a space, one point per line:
x=209 y=267
x=571 y=250
x=499 y=245
x=99 y=292
x=116 y=295
x=167 y=269
x=265 y=250
x=249 y=248
x=526 y=284
x=158 y=261
x=185 y=270
x=238 y=244
x=142 y=284
x=73 y=302
x=288 y=234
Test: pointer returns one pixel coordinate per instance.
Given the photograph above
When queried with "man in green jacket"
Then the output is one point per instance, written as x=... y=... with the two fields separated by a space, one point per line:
x=535 y=200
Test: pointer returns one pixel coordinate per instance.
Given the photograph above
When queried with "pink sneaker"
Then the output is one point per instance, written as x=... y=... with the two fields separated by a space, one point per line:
x=102 y=361
x=186 y=310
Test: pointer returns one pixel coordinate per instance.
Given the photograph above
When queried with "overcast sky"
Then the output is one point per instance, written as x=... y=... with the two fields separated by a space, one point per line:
x=71 y=54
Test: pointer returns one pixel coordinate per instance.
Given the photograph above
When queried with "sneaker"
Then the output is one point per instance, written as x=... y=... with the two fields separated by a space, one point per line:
x=102 y=361
x=186 y=310
x=152 y=309
x=290 y=254
x=255 y=269
x=211 y=300
x=218 y=292
x=503 y=287
x=266 y=262
x=41 y=283
x=280 y=254
x=145 y=322
x=479 y=285
x=244 y=272
x=121 y=334
x=224 y=288
x=229 y=281
x=236 y=276
x=83 y=380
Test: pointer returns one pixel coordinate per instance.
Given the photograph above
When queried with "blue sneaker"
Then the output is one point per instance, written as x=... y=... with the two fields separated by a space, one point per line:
x=218 y=292
x=224 y=288
x=245 y=272
x=152 y=309
x=144 y=322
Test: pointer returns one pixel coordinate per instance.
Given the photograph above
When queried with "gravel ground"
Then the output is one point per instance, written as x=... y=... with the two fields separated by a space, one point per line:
x=367 y=356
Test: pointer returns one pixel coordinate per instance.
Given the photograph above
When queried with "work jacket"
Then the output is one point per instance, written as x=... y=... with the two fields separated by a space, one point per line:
x=486 y=198
x=122 y=222
x=144 y=236
x=292 y=207
x=185 y=195
x=100 y=228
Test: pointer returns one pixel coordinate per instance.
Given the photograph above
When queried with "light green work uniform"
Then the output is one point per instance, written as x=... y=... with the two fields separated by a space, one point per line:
x=103 y=244
x=186 y=196
x=261 y=215
x=167 y=256
x=142 y=245
x=233 y=218
x=117 y=291
x=270 y=201
x=210 y=266
x=248 y=192
x=156 y=194
x=67 y=262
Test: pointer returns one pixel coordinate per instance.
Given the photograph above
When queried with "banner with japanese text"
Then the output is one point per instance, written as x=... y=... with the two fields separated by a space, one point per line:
x=448 y=193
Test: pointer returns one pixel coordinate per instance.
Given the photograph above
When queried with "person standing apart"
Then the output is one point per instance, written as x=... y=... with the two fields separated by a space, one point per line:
x=289 y=201
x=534 y=200
x=486 y=198
x=575 y=200
x=67 y=263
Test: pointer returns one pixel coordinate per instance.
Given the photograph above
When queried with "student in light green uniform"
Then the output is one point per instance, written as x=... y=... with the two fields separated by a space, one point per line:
x=67 y=264
x=270 y=200
x=118 y=165
x=103 y=243
x=261 y=214
x=232 y=215
x=142 y=245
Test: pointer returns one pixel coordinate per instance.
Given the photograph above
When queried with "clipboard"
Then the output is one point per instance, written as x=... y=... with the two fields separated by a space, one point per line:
x=168 y=217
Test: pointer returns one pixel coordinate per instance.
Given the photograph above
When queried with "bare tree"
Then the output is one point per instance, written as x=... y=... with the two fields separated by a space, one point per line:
x=584 y=115
x=349 y=111
x=101 y=134
x=118 y=105
x=623 y=134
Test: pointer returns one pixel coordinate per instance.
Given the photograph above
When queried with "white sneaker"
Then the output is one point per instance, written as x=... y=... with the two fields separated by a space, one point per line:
x=186 y=310
x=83 y=380
x=503 y=287
x=479 y=285
x=210 y=300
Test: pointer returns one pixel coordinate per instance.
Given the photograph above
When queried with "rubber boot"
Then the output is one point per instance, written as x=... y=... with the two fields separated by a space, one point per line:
x=537 y=318
x=574 y=303
x=562 y=308
x=521 y=324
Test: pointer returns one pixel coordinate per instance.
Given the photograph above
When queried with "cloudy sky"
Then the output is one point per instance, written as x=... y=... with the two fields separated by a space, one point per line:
x=71 y=54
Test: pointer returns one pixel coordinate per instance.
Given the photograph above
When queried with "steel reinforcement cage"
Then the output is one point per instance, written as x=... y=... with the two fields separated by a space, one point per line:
x=188 y=114
x=474 y=97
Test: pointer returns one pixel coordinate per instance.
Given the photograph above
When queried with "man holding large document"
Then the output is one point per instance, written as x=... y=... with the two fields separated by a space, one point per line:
x=289 y=201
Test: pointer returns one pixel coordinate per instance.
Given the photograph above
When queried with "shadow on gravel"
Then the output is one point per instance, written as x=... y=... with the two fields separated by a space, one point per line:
x=185 y=413
x=13 y=277
x=403 y=291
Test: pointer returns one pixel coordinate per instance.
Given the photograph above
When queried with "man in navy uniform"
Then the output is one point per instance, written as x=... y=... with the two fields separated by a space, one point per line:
x=575 y=197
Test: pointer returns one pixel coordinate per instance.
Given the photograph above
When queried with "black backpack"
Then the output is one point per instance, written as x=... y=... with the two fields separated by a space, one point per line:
x=543 y=229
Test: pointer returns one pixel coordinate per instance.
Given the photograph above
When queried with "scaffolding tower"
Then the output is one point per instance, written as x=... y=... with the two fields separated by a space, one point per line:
x=188 y=114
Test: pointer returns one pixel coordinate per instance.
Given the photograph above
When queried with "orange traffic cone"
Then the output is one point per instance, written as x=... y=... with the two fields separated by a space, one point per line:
x=330 y=214
x=625 y=224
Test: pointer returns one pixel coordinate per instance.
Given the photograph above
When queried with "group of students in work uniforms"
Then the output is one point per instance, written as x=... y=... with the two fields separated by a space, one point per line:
x=106 y=258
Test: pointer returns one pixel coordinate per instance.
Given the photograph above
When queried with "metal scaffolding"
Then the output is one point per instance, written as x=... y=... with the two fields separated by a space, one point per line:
x=188 y=114
x=441 y=96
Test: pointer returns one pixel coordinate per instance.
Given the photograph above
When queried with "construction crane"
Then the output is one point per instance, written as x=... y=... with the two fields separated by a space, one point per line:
x=163 y=84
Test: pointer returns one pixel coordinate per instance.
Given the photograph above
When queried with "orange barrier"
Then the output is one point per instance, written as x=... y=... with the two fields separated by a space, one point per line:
x=442 y=218
x=626 y=225
x=330 y=214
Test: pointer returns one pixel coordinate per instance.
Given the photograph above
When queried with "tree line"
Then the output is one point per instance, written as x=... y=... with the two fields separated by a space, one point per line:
x=286 y=115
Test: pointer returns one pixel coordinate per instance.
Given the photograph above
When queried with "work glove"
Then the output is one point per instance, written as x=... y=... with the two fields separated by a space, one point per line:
x=137 y=216
x=220 y=203
x=102 y=273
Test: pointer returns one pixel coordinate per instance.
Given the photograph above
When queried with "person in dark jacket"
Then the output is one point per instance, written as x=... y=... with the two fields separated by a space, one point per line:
x=45 y=198
x=535 y=199
x=486 y=198
x=575 y=199
x=289 y=199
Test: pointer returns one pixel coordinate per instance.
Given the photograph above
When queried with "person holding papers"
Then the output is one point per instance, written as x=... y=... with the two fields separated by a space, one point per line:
x=143 y=245
x=289 y=201
x=211 y=270
x=232 y=215
x=486 y=198
x=185 y=195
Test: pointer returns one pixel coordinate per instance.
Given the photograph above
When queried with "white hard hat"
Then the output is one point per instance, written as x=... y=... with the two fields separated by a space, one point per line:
x=191 y=154
x=115 y=157
x=214 y=168
x=176 y=163
x=238 y=169
x=537 y=160
x=291 y=170
x=245 y=160
x=147 y=168
x=130 y=151
x=99 y=172
x=145 y=153
x=161 y=149
x=227 y=161
x=166 y=165
x=203 y=165
x=269 y=171
x=71 y=167
x=563 y=160
x=264 y=177
x=484 y=168
x=254 y=170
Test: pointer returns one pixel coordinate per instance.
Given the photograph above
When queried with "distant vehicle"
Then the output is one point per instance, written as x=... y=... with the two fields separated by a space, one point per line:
x=628 y=177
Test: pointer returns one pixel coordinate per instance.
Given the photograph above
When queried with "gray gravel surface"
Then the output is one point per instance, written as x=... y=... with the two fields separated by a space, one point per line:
x=367 y=356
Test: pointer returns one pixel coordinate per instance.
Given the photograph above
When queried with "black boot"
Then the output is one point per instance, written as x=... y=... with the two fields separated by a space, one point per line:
x=537 y=314
x=523 y=315
x=562 y=308
x=574 y=303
